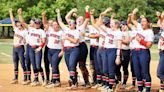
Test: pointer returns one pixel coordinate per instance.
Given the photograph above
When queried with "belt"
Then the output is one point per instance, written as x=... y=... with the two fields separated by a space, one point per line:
x=34 y=46
x=69 y=47
x=18 y=46
x=138 y=49
x=81 y=42
x=102 y=48
x=94 y=46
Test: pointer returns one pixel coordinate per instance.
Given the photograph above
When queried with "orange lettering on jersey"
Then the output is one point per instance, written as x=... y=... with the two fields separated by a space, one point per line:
x=54 y=35
x=70 y=35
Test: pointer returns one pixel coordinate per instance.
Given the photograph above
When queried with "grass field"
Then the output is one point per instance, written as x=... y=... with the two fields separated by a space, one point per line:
x=6 y=51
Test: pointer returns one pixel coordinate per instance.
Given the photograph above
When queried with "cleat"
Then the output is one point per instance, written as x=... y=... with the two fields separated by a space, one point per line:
x=73 y=87
x=45 y=83
x=96 y=86
x=35 y=83
x=14 y=81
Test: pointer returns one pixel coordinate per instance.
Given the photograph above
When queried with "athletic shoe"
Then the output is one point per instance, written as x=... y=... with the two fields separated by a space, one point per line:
x=109 y=90
x=96 y=86
x=35 y=83
x=123 y=86
x=24 y=82
x=14 y=81
x=73 y=87
x=53 y=85
x=45 y=83
x=101 y=88
x=87 y=85
x=144 y=90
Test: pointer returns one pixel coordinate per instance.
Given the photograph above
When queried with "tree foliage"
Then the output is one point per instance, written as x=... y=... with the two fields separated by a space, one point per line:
x=34 y=8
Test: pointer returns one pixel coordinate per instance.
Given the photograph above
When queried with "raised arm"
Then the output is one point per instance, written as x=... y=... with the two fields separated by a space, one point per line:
x=69 y=14
x=160 y=18
x=62 y=25
x=44 y=19
x=87 y=17
x=133 y=17
x=21 y=18
x=12 y=18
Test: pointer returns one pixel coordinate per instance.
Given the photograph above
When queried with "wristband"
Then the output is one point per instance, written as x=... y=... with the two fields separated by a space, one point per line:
x=87 y=15
x=42 y=45
x=118 y=52
x=142 y=42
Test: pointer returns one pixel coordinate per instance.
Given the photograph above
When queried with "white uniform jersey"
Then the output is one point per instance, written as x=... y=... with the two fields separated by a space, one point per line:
x=102 y=38
x=161 y=41
x=125 y=34
x=55 y=39
x=70 y=33
x=93 y=31
x=112 y=38
x=19 y=37
x=47 y=33
x=28 y=33
x=36 y=36
x=81 y=29
x=146 y=35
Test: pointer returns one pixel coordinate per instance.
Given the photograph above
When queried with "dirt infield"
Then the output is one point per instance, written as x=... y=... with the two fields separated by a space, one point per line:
x=6 y=75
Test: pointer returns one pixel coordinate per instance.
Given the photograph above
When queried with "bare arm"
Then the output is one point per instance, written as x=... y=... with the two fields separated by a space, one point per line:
x=12 y=18
x=21 y=18
x=69 y=14
x=87 y=17
x=160 y=18
x=44 y=20
x=73 y=40
x=62 y=25
x=133 y=17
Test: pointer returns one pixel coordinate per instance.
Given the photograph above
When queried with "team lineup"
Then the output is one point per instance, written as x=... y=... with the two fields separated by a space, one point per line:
x=113 y=44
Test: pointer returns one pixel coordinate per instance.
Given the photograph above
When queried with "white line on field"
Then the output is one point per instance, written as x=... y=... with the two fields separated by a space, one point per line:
x=7 y=55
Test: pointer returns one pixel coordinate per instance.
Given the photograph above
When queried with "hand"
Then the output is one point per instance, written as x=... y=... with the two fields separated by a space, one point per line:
x=38 y=49
x=74 y=14
x=129 y=14
x=109 y=9
x=158 y=13
x=82 y=33
x=135 y=10
x=142 y=16
x=87 y=8
x=138 y=38
x=10 y=10
x=43 y=13
x=92 y=11
x=61 y=53
x=74 y=9
x=57 y=10
x=118 y=61
x=19 y=11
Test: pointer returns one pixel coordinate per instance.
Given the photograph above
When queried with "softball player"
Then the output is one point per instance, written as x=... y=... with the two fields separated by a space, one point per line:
x=81 y=26
x=27 y=57
x=71 y=49
x=160 y=70
x=142 y=41
x=55 y=52
x=125 y=57
x=47 y=27
x=18 y=47
x=113 y=42
x=37 y=38
x=93 y=35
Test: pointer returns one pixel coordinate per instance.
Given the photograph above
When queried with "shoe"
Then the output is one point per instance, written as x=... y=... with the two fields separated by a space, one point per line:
x=144 y=90
x=87 y=85
x=14 y=81
x=73 y=87
x=53 y=85
x=109 y=90
x=102 y=88
x=45 y=83
x=96 y=86
x=24 y=82
x=123 y=86
x=35 y=83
